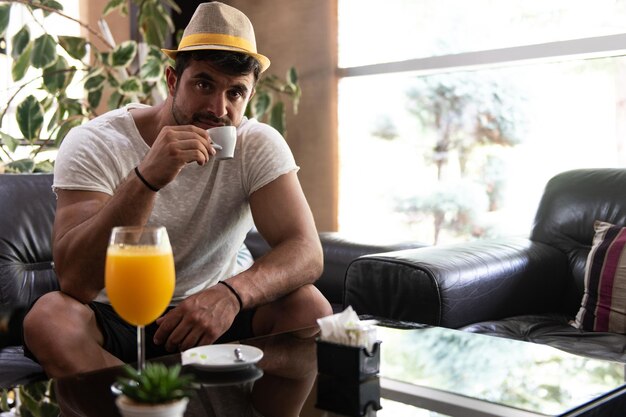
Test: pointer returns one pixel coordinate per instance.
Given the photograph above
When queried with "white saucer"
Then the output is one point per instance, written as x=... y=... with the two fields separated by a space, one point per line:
x=221 y=357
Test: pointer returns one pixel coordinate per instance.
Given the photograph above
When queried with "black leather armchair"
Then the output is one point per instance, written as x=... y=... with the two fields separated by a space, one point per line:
x=27 y=207
x=522 y=288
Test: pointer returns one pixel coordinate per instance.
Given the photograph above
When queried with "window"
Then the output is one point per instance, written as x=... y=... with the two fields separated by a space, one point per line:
x=454 y=114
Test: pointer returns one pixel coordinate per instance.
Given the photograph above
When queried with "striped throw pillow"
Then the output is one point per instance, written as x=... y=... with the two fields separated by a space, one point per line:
x=603 y=307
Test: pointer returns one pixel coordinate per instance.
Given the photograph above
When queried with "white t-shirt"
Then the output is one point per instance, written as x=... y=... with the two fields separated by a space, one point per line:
x=205 y=209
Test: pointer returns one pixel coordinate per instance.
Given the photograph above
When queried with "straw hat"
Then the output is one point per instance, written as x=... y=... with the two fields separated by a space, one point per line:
x=217 y=26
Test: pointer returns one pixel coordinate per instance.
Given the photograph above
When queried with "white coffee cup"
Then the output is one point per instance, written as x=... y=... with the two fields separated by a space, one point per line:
x=224 y=140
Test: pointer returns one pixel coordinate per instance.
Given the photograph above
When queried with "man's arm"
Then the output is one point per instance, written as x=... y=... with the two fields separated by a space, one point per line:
x=84 y=219
x=283 y=217
x=82 y=227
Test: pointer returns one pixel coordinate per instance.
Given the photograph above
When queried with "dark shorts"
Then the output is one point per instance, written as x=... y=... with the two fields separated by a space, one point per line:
x=120 y=338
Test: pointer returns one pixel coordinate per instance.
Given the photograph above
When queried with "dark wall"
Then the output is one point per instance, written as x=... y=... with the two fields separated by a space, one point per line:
x=180 y=20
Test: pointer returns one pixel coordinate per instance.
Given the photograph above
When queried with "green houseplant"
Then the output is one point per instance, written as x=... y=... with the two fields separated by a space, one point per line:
x=33 y=399
x=39 y=110
x=159 y=387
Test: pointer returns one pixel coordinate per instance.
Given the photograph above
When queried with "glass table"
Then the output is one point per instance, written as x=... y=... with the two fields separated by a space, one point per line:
x=424 y=371
x=466 y=374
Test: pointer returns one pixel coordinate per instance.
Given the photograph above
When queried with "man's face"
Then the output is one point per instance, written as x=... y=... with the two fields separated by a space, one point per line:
x=206 y=97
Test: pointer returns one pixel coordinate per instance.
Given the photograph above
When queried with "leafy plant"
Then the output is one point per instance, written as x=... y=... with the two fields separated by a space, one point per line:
x=156 y=384
x=7 y=399
x=46 y=112
x=46 y=66
x=35 y=399
x=267 y=104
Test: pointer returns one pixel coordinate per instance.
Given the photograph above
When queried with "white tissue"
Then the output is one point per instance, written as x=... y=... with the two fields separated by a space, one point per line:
x=346 y=328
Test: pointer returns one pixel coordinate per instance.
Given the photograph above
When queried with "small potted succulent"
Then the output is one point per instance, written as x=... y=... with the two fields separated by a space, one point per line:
x=158 y=391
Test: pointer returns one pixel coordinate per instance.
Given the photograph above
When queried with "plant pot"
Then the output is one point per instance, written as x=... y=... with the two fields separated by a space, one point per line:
x=130 y=408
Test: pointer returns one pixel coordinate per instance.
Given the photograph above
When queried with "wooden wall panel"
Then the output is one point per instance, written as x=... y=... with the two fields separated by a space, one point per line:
x=303 y=33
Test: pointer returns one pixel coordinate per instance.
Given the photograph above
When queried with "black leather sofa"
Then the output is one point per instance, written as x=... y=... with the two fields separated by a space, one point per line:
x=522 y=288
x=27 y=206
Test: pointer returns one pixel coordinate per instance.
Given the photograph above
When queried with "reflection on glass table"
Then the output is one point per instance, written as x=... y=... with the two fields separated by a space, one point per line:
x=530 y=378
x=277 y=385
x=424 y=372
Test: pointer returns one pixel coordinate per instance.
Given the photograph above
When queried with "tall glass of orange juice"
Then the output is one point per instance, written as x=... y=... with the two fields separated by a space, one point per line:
x=139 y=277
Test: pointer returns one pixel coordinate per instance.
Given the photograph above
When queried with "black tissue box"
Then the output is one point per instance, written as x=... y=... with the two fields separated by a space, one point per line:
x=347 y=362
x=350 y=398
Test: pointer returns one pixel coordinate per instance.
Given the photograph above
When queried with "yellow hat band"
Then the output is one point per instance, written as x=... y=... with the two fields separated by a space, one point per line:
x=198 y=39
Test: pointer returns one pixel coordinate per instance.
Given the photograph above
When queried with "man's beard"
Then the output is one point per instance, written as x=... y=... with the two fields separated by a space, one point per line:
x=200 y=117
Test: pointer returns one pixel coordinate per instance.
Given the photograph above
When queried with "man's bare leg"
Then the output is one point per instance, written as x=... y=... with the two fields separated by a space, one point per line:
x=299 y=309
x=63 y=335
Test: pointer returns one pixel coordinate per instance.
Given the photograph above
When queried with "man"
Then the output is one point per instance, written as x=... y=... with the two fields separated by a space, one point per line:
x=155 y=166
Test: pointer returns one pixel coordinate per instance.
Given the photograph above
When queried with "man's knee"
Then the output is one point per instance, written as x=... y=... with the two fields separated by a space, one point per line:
x=308 y=298
x=41 y=312
x=299 y=309
x=52 y=314
x=306 y=305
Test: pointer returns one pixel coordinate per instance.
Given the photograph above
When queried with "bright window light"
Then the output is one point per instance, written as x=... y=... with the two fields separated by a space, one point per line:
x=459 y=153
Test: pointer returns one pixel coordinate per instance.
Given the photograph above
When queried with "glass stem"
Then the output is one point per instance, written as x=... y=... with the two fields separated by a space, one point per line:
x=141 y=348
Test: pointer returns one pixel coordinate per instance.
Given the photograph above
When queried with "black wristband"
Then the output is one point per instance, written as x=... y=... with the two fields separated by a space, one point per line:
x=234 y=292
x=146 y=183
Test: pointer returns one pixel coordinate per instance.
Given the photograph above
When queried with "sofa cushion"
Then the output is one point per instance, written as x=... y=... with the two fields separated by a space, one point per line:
x=17 y=369
x=603 y=306
x=556 y=330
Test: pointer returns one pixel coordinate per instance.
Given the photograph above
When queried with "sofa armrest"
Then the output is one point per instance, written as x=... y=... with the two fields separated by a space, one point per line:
x=339 y=251
x=458 y=284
